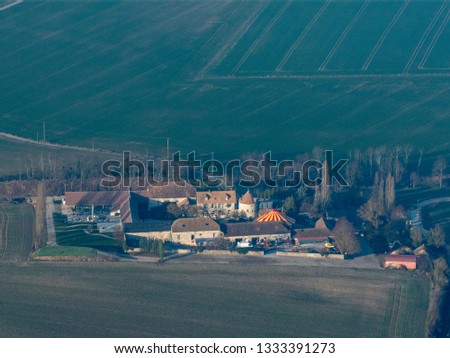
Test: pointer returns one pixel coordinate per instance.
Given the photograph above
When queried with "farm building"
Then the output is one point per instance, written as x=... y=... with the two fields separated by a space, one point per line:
x=122 y=203
x=400 y=261
x=217 y=203
x=255 y=232
x=154 y=229
x=319 y=233
x=191 y=231
x=171 y=193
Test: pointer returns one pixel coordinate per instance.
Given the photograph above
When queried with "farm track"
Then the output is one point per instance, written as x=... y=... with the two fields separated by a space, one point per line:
x=326 y=103
x=395 y=308
x=233 y=40
x=206 y=44
x=343 y=36
x=56 y=54
x=18 y=139
x=433 y=42
x=302 y=36
x=47 y=20
x=331 y=76
x=261 y=36
x=369 y=103
x=270 y=104
x=384 y=36
x=7 y=6
x=424 y=37
x=409 y=108
x=91 y=78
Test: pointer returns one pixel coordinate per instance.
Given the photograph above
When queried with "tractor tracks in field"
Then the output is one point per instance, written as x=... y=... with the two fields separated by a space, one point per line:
x=385 y=34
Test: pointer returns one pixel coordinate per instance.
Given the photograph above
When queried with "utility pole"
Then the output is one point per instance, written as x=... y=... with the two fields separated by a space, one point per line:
x=43 y=131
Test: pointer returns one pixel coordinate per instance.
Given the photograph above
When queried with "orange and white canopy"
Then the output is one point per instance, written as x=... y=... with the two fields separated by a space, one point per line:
x=274 y=215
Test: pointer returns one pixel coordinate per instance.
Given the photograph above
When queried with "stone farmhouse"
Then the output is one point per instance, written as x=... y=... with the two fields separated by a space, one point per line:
x=128 y=209
x=218 y=204
x=195 y=231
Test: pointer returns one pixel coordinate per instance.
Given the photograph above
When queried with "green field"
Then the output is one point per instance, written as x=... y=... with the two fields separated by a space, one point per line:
x=16 y=231
x=182 y=300
x=440 y=214
x=18 y=158
x=408 y=196
x=227 y=76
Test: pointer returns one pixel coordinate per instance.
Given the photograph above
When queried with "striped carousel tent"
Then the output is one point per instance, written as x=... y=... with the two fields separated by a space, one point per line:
x=274 y=215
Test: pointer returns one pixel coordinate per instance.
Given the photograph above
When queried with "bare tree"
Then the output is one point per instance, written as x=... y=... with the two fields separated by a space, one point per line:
x=325 y=189
x=40 y=216
x=414 y=179
x=375 y=207
x=370 y=212
x=370 y=153
x=407 y=150
x=436 y=237
x=440 y=272
x=439 y=167
x=389 y=192
x=344 y=234
x=416 y=236
x=419 y=162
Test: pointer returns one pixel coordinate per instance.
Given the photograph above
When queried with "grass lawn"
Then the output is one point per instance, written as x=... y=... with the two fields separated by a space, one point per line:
x=77 y=235
x=65 y=251
x=47 y=299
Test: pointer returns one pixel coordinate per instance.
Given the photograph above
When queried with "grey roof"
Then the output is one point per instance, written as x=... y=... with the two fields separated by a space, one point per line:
x=149 y=226
x=255 y=228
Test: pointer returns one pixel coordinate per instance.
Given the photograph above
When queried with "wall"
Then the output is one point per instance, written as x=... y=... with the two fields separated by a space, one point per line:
x=185 y=237
x=310 y=255
x=249 y=210
x=260 y=237
x=158 y=235
x=234 y=253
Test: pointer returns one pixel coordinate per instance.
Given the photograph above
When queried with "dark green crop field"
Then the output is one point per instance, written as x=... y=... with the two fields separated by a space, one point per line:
x=227 y=76
x=146 y=300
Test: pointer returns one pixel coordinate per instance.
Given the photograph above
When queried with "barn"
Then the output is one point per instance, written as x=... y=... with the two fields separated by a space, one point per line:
x=400 y=261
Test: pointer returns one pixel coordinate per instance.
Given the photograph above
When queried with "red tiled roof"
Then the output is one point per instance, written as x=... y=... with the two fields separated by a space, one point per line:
x=195 y=224
x=171 y=190
x=125 y=201
x=106 y=198
x=247 y=198
x=400 y=258
x=312 y=234
x=216 y=197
